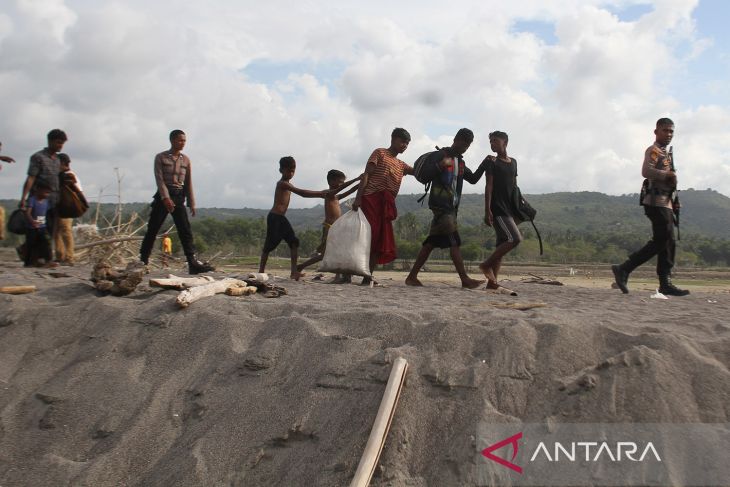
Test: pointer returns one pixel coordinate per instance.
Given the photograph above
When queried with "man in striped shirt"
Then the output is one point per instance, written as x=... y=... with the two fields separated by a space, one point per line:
x=376 y=197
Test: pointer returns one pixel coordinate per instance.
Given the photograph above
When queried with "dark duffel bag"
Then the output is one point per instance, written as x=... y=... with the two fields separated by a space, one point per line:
x=17 y=223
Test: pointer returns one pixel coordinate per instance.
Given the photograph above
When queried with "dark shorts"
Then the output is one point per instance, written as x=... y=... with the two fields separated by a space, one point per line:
x=507 y=230
x=443 y=232
x=278 y=228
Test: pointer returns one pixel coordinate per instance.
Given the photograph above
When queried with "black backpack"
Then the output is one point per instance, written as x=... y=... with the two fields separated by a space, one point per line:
x=426 y=169
x=525 y=212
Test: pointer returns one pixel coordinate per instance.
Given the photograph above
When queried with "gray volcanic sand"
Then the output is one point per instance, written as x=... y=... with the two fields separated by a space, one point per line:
x=108 y=391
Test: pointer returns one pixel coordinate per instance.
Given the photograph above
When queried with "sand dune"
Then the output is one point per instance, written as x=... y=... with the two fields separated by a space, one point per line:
x=103 y=391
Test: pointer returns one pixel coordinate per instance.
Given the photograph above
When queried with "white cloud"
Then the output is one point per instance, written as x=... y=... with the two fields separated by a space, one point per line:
x=119 y=76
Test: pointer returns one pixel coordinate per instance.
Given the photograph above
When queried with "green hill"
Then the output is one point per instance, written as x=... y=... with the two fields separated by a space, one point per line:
x=704 y=212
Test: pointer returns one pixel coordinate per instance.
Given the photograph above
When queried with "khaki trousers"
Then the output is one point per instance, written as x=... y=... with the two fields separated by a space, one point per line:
x=63 y=240
x=2 y=223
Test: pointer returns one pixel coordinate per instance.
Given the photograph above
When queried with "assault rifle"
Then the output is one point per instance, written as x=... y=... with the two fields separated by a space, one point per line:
x=675 y=193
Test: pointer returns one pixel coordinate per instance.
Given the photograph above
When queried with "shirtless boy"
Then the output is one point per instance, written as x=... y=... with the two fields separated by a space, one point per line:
x=278 y=227
x=332 y=211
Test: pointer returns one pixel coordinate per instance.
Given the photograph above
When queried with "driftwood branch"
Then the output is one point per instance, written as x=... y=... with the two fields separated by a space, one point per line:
x=106 y=242
x=189 y=296
x=241 y=290
x=535 y=279
x=180 y=283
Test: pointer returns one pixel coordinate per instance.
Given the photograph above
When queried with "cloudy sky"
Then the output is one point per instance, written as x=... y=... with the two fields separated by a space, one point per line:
x=577 y=84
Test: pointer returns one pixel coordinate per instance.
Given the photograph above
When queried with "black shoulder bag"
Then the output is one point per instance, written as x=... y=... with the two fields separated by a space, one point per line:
x=523 y=211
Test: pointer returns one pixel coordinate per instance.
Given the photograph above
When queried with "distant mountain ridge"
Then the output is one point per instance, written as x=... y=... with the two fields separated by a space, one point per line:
x=704 y=212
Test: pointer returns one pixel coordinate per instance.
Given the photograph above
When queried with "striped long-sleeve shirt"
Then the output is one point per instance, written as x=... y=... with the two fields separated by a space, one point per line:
x=388 y=172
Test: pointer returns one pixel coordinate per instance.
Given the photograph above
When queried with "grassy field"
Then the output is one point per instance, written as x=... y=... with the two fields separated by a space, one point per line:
x=584 y=275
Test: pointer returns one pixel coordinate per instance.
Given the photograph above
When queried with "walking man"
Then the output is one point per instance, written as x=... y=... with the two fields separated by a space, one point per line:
x=659 y=207
x=499 y=198
x=376 y=196
x=44 y=168
x=173 y=174
x=443 y=201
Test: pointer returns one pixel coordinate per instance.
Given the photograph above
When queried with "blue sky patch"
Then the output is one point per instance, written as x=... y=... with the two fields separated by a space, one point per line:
x=269 y=72
x=630 y=13
x=539 y=28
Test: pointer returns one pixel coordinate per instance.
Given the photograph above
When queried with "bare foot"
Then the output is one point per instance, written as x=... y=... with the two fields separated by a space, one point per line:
x=413 y=281
x=488 y=273
x=297 y=275
x=471 y=283
x=367 y=281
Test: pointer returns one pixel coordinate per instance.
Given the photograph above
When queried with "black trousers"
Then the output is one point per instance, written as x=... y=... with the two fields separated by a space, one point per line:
x=157 y=218
x=37 y=246
x=661 y=244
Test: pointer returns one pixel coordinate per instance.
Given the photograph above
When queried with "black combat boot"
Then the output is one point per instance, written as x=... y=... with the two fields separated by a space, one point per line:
x=668 y=289
x=621 y=277
x=197 y=267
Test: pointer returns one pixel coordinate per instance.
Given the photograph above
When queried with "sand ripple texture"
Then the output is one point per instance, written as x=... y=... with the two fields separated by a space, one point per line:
x=106 y=391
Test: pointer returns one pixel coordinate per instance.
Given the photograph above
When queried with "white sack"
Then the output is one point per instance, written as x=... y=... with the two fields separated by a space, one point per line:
x=348 y=246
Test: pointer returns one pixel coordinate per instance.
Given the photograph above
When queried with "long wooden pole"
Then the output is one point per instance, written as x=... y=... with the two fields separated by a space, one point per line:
x=108 y=241
x=111 y=241
x=381 y=426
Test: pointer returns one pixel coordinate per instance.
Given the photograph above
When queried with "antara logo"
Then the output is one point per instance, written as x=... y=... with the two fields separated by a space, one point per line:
x=512 y=440
x=620 y=451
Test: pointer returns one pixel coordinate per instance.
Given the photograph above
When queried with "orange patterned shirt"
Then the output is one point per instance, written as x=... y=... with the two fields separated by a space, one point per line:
x=388 y=173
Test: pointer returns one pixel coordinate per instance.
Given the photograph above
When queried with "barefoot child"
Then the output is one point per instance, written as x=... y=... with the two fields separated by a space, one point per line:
x=501 y=174
x=332 y=211
x=37 y=238
x=278 y=227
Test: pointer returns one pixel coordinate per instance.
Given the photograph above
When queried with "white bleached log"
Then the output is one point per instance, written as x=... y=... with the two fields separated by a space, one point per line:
x=180 y=283
x=189 y=296
x=259 y=276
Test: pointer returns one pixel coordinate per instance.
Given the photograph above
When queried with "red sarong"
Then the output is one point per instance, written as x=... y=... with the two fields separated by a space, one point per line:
x=380 y=210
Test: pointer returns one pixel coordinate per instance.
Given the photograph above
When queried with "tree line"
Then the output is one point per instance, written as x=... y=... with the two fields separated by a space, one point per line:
x=564 y=243
x=245 y=237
